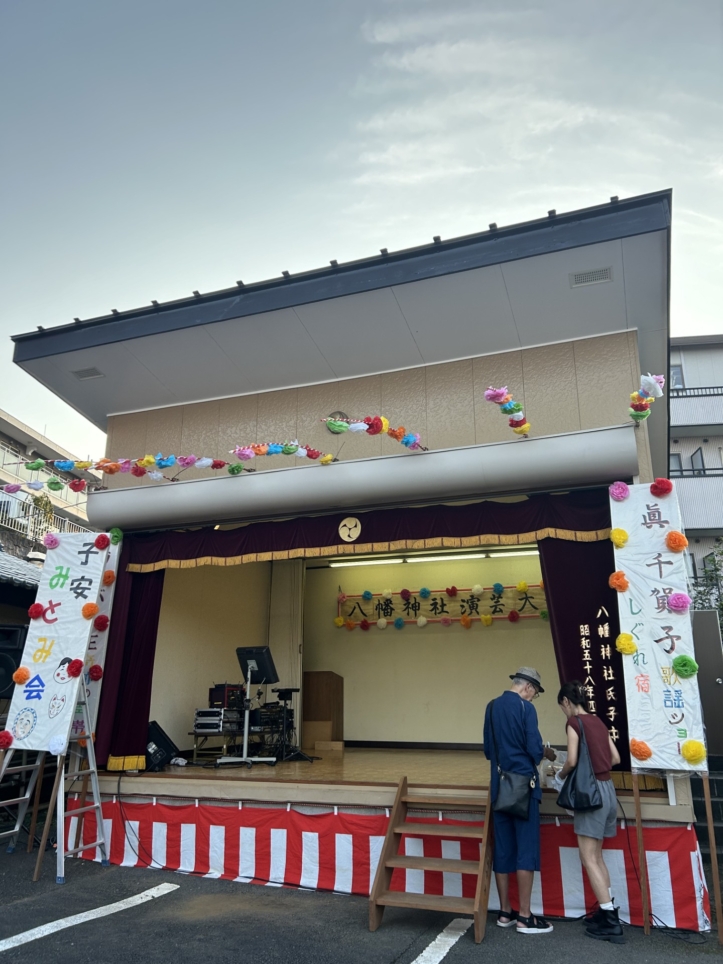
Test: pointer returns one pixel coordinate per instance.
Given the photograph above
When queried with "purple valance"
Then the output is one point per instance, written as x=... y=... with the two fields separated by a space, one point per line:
x=581 y=516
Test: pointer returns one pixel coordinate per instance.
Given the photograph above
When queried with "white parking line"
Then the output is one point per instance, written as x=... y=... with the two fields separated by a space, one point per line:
x=444 y=942
x=59 y=925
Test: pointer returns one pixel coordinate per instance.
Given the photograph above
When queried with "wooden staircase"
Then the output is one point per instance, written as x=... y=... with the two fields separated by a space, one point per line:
x=381 y=896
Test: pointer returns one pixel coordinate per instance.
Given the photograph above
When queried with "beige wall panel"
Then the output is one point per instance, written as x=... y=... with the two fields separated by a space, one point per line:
x=164 y=432
x=444 y=403
x=359 y=397
x=314 y=403
x=645 y=462
x=604 y=380
x=404 y=402
x=450 y=405
x=496 y=371
x=431 y=684
x=200 y=434
x=195 y=647
x=129 y=442
x=551 y=402
x=277 y=419
x=237 y=423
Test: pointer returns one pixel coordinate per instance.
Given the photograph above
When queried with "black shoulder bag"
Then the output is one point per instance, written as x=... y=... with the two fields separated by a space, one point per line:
x=515 y=789
x=580 y=791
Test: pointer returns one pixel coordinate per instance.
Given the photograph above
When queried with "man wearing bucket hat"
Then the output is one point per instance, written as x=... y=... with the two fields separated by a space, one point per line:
x=513 y=745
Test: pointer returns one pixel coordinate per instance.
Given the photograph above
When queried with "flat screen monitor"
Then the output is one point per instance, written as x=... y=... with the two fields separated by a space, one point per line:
x=259 y=660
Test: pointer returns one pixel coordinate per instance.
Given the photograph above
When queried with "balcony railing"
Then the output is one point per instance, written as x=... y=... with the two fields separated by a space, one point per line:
x=9 y=463
x=701 y=499
x=23 y=516
x=695 y=392
x=696 y=407
x=694 y=473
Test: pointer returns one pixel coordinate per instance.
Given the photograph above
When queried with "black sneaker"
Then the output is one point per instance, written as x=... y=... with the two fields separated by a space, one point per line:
x=533 y=925
x=607 y=928
x=593 y=918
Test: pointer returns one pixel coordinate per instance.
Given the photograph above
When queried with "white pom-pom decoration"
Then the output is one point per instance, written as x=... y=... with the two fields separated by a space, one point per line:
x=387 y=593
x=358 y=426
x=56 y=745
x=203 y=463
x=477 y=590
x=156 y=476
x=381 y=624
x=422 y=622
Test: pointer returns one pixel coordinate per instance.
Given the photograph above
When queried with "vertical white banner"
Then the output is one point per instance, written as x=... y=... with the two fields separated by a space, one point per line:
x=98 y=644
x=62 y=619
x=663 y=701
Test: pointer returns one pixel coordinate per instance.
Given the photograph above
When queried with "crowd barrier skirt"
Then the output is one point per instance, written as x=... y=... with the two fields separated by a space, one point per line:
x=339 y=852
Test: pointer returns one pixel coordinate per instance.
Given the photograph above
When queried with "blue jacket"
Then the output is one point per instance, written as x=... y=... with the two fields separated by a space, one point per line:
x=518 y=739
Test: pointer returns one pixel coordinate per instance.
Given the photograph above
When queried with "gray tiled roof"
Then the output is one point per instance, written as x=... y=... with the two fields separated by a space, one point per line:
x=18 y=571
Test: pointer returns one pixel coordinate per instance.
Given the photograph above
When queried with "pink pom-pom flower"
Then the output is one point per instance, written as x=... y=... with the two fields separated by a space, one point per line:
x=50 y=540
x=619 y=491
x=244 y=453
x=186 y=461
x=12 y=487
x=341 y=598
x=445 y=621
x=679 y=602
x=496 y=395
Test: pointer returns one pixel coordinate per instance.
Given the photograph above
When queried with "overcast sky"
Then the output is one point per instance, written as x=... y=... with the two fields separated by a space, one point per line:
x=150 y=147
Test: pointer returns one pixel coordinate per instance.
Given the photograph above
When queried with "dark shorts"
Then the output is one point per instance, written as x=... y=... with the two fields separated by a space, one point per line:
x=517 y=842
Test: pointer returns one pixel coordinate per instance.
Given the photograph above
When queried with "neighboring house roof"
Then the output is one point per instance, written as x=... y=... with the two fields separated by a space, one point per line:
x=18 y=572
x=696 y=341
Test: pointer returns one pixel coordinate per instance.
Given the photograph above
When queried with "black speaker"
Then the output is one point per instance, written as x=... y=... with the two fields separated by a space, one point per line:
x=160 y=749
x=12 y=642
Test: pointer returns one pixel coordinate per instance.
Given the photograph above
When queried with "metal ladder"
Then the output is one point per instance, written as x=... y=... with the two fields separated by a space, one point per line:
x=22 y=802
x=81 y=754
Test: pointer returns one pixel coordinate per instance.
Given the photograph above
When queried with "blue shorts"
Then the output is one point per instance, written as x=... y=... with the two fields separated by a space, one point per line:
x=517 y=842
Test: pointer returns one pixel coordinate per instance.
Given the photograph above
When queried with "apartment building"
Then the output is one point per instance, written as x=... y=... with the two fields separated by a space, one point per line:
x=696 y=439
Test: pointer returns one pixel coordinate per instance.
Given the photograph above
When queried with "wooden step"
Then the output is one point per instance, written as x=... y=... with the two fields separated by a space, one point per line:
x=452 y=905
x=439 y=830
x=441 y=803
x=443 y=864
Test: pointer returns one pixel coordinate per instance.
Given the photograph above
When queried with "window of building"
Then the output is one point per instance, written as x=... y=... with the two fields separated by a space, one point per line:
x=676 y=464
x=696 y=462
x=676 y=376
x=690 y=565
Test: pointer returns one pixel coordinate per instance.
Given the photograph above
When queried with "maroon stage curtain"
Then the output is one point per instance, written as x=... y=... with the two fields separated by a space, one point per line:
x=585 y=511
x=122 y=730
x=584 y=622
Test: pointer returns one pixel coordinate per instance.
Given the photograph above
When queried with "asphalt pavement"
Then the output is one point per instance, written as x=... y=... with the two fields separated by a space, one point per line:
x=210 y=921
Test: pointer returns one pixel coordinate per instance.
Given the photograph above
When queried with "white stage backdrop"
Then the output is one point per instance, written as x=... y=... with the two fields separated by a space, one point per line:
x=664 y=710
x=43 y=707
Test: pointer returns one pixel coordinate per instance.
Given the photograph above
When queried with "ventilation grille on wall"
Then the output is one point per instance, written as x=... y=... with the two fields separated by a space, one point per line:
x=594 y=277
x=83 y=374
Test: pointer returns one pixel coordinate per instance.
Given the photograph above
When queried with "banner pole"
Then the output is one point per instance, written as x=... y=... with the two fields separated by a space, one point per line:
x=713 y=857
x=59 y=777
x=641 y=856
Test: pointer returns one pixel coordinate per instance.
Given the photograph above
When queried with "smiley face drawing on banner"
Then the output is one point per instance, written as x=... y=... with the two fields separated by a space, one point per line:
x=24 y=723
x=61 y=675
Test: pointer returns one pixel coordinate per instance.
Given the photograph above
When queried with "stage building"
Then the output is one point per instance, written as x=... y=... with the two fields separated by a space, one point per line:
x=565 y=311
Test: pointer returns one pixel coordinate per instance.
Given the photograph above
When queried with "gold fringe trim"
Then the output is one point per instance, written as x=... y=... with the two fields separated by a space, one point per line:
x=126 y=763
x=404 y=545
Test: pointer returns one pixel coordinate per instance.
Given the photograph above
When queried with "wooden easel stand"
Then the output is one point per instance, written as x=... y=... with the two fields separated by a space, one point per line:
x=713 y=857
x=641 y=856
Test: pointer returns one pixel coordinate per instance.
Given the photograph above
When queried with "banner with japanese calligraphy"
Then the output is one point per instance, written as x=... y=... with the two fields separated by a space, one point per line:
x=65 y=613
x=656 y=636
x=98 y=642
x=437 y=605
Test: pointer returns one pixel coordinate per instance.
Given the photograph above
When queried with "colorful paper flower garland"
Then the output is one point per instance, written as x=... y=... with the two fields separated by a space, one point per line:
x=508 y=406
x=152 y=465
x=651 y=387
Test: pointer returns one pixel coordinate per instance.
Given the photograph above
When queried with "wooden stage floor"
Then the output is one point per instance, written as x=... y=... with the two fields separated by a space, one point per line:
x=357 y=777
x=365 y=776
